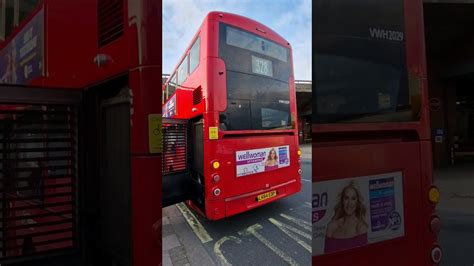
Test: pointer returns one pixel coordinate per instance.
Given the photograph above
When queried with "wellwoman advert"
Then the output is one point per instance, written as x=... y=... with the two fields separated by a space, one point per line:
x=354 y=212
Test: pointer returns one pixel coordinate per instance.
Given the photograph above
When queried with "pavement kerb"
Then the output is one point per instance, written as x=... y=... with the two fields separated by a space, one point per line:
x=191 y=251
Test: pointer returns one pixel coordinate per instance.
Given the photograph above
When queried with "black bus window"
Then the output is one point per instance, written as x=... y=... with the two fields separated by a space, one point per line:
x=9 y=17
x=26 y=7
x=258 y=91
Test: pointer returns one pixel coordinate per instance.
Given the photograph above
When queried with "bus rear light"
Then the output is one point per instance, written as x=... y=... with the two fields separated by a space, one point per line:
x=216 y=178
x=300 y=171
x=433 y=195
x=299 y=152
x=435 y=224
x=299 y=161
x=216 y=191
x=216 y=165
x=436 y=255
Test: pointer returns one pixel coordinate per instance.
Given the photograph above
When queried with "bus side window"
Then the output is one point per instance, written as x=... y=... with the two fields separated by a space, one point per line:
x=171 y=87
x=26 y=7
x=9 y=20
x=194 y=55
x=163 y=95
x=183 y=71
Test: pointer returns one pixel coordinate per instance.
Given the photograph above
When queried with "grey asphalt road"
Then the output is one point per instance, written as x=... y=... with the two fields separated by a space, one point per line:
x=456 y=210
x=456 y=238
x=276 y=234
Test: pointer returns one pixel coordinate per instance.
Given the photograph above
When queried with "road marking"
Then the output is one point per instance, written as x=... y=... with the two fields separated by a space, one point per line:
x=308 y=203
x=197 y=227
x=297 y=221
x=291 y=232
x=252 y=230
x=217 y=248
x=306 y=180
x=291 y=228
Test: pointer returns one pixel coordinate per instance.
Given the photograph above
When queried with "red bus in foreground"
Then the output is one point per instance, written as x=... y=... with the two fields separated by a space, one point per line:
x=235 y=86
x=373 y=197
x=79 y=160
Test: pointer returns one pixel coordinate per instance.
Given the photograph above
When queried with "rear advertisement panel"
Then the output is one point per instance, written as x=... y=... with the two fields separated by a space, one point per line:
x=262 y=160
x=354 y=212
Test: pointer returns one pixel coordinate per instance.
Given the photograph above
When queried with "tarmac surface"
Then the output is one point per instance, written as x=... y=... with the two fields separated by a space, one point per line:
x=456 y=211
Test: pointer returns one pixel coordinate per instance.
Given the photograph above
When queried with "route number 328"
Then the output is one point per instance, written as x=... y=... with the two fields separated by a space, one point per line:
x=262 y=66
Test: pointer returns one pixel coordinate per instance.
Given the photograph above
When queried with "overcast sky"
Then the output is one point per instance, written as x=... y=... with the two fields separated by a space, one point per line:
x=289 y=18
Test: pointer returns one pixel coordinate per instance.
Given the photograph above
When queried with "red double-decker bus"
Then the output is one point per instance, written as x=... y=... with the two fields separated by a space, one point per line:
x=373 y=197
x=80 y=158
x=235 y=87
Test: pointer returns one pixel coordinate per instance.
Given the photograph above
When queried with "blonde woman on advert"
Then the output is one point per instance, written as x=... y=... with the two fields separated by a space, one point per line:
x=347 y=228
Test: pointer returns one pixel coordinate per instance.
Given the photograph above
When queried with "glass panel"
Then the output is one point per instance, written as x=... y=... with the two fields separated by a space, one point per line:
x=10 y=14
x=254 y=43
x=183 y=71
x=171 y=87
x=256 y=103
x=258 y=96
x=194 y=55
x=261 y=66
x=274 y=118
x=360 y=68
x=26 y=7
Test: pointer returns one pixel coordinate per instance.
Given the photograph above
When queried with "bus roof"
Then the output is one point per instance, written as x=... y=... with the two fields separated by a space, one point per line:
x=249 y=25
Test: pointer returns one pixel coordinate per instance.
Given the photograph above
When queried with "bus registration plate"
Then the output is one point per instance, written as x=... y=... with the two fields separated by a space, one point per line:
x=266 y=196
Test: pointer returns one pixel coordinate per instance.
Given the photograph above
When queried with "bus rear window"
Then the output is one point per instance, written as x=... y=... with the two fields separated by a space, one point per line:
x=251 y=42
x=258 y=72
x=354 y=90
x=360 y=68
x=255 y=103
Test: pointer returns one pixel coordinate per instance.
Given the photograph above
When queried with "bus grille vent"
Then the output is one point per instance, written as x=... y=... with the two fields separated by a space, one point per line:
x=38 y=180
x=110 y=21
x=175 y=146
x=197 y=96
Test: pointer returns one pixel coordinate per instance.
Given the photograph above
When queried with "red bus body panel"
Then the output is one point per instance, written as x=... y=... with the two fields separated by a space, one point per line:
x=353 y=150
x=239 y=193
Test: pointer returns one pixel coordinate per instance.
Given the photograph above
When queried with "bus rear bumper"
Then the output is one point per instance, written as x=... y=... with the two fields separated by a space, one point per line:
x=231 y=206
